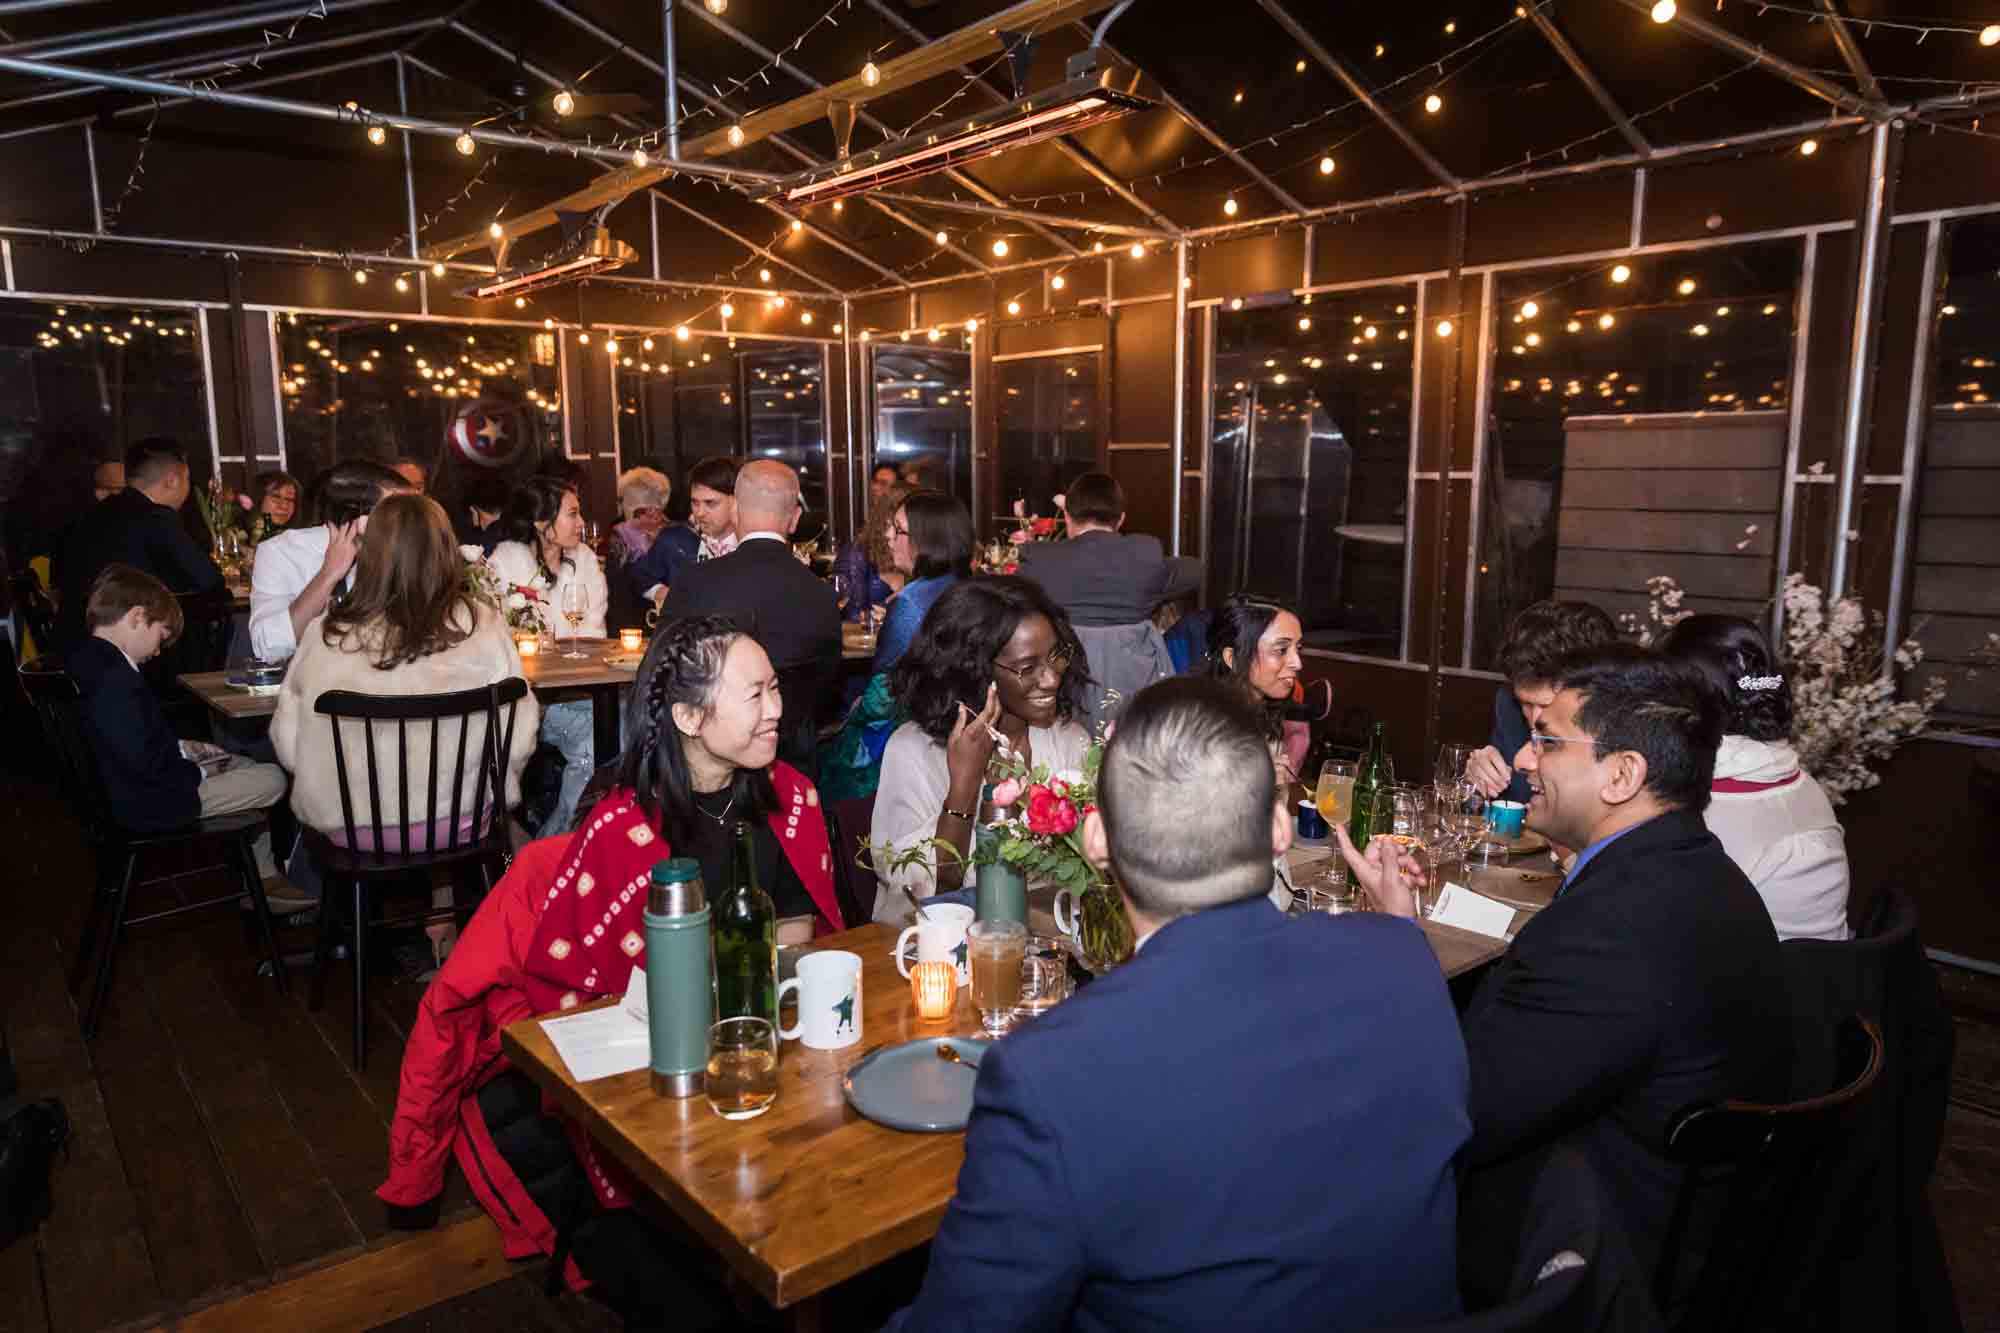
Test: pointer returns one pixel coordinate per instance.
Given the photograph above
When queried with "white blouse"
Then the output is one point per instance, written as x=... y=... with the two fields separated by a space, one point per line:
x=516 y=564
x=1779 y=827
x=916 y=777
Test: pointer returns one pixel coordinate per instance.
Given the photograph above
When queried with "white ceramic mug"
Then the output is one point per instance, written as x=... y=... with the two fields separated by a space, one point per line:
x=828 y=985
x=1068 y=912
x=940 y=936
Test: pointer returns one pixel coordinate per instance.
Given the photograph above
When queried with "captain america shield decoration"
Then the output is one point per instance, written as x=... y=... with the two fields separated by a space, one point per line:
x=486 y=432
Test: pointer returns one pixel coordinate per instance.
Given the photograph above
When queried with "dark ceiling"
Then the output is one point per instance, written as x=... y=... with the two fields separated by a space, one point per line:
x=1510 y=101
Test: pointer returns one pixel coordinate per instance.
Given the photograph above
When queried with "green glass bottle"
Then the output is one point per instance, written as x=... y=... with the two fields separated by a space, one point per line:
x=746 y=945
x=1370 y=779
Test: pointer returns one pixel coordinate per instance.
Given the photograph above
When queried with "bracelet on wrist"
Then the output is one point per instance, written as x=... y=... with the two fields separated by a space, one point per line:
x=957 y=814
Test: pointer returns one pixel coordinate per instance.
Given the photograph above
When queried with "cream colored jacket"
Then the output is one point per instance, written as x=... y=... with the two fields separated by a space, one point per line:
x=304 y=738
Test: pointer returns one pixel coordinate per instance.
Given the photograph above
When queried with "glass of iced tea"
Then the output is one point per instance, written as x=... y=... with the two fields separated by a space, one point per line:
x=1335 y=793
x=995 y=950
x=742 y=1067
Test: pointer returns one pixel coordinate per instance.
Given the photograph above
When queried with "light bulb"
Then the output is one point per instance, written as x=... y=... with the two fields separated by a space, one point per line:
x=639 y=158
x=548 y=323
x=1663 y=11
x=806 y=317
x=1326 y=166
x=402 y=284
x=1530 y=309
x=1235 y=303
x=437 y=269
x=1533 y=340
x=871 y=74
x=1619 y=273
x=1990 y=35
x=1450 y=27
x=1229 y=208
x=999 y=249
x=865 y=335
x=972 y=326
x=361 y=276
x=935 y=334
x=565 y=102
x=646 y=344
x=1370 y=332
x=520 y=303
x=464 y=144
x=716 y=6
x=1685 y=287
x=1699 y=330
x=493 y=229
x=611 y=347
x=683 y=332
x=1299 y=68
x=1605 y=320
x=941 y=238
x=1433 y=104
x=778 y=301
x=1097 y=247
x=838 y=205
x=1722 y=312
x=735 y=136
x=1138 y=250
x=1013 y=307
x=797 y=226
x=1305 y=323
x=727 y=310
x=1574 y=326
x=583 y=338
x=1444 y=328
x=377 y=135
x=1770 y=309
x=763 y=275
x=1808 y=148
x=1058 y=282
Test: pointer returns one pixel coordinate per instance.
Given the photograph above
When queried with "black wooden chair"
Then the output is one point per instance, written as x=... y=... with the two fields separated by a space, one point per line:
x=36 y=610
x=118 y=850
x=479 y=722
x=847 y=831
x=1766 y=1161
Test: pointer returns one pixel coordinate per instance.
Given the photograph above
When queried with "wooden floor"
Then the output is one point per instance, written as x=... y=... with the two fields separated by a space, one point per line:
x=221 y=1140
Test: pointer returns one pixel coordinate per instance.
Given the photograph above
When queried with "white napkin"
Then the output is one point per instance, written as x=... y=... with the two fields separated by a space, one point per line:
x=603 y=1042
x=1461 y=907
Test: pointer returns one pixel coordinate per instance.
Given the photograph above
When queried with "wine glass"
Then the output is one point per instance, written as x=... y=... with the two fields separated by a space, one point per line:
x=574 y=603
x=840 y=591
x=1451 y=763
x=1335 y=793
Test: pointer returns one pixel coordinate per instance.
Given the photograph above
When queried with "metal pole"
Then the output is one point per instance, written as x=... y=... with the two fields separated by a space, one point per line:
x=672 y=71
x=1824 y=89
x=409 y=168
x=1850 y=51
x=1861 y=345
x=1588 y=78
x=1180 y=386
x=1914 y=432
x=1447 y=426
x=1025 y=215
x=29 y=6
x=285 y=106
x=1794 y=426
x=178 y=27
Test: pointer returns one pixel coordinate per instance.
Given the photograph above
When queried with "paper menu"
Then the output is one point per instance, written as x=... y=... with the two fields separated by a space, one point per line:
x=1461 y=907
x=601 y=1042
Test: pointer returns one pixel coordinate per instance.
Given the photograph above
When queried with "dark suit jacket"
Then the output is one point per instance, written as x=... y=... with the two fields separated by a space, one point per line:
x=676 y=548
x=1652 y=983
x=127 y=528
x=1510 y=733
x=1109 y=578
x=152 y=788
x=1249 y=1125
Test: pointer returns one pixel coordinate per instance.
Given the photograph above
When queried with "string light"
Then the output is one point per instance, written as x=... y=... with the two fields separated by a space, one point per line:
x=715 y=6
x=736 y=136
x=1326 y=165
x=1138 y=250
x=1450 y=27
x=727 y=310
x=1299 y=68
x=548 y=323
x=1574 y=326
x=839 y=205
x=1699 y=330
x=797 y=226
x=377 y=135
x=935 y=334
x=1605 y=320
x=1530 y=309
x=639 y=158
x=1620 y=273
x=646 y=345
x=1433 y=104
x=1663 y=12
x=437 y=269
x=866 y=335
x=1808 y=147
x=941 y=238
x=838 y=327
x=1013 y=307
x=584 y=338
x=1058 y=282
x=1771 y=309
x=1305 y=323
x=361 y=277
x=565 y=102
x=805 y=317
x=999 y=249
x=520 y=303
x=1722 y=312
x=1369 y=332
x=1444 y=328
x=611 y=347
x=1533 y=340
x=1685 y=287
x=494 y=229
x=972 y=326
x=1990 y=35
x=870 y=74
x=464 y=144
x=1229 y=207
x=682 y=333
x=1239 y=97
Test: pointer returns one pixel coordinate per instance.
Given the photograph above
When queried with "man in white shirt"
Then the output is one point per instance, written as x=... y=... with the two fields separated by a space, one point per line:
x=297 y=572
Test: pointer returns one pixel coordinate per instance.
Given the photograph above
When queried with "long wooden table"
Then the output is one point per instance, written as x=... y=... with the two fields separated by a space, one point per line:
x=809 y=1193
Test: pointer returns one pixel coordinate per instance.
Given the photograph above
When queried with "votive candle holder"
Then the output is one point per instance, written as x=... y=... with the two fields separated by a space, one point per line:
x=935 y=988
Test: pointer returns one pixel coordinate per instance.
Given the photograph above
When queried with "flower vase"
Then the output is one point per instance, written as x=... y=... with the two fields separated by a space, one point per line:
x=1103 y=933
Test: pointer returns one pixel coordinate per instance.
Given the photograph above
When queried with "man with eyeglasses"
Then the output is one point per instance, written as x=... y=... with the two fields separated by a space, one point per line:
x=1650 y=984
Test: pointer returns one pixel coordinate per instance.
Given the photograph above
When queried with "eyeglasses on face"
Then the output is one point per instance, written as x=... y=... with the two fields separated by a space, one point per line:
x=1057 y=661
x=1540 y=743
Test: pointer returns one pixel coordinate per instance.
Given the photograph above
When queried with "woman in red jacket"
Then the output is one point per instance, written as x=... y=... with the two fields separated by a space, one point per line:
x=563 y=928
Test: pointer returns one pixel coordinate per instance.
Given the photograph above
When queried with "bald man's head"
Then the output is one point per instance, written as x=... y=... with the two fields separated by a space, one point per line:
x=767 y=497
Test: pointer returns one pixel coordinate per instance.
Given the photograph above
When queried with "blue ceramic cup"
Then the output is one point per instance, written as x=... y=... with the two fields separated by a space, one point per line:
x=1312 y=824
x=1504 y=817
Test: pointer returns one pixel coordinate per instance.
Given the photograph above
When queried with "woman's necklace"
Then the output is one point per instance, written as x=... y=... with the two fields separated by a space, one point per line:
x=726 y=805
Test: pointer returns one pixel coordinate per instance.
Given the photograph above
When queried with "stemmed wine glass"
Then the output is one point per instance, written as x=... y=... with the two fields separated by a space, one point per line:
x=840 y=591
x=574 y=603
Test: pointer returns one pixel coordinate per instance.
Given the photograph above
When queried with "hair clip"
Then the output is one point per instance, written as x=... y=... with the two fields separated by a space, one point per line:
x=1759 y=682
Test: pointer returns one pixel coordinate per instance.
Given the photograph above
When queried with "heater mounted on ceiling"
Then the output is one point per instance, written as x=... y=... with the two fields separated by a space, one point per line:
x=590 y=250
x=1090 y=94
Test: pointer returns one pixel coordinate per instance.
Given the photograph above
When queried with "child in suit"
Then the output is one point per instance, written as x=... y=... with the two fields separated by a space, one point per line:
x=156 y=781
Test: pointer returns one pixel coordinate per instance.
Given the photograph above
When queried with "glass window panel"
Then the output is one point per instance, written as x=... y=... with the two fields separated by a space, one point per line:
x=92 y=379
x=1636 y=426
x=1048 y=427
x=1955 y=566
x=923 y=413
x=466 y=399
x=788 y=417
x=1310 y=461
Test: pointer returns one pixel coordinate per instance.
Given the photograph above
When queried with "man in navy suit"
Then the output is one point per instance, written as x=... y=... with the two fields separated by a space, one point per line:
x=138 y=526
x=1251 y=1124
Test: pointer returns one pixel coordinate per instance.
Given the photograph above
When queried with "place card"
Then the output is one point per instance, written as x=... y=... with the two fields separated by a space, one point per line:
x=601 y=1042
x=1461 y=907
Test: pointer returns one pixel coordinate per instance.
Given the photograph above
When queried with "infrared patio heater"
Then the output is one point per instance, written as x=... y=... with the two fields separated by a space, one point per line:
x=588 y=248
x=1092 y=92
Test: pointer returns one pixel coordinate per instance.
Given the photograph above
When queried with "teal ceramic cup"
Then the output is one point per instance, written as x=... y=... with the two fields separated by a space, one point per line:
x=1504 y=818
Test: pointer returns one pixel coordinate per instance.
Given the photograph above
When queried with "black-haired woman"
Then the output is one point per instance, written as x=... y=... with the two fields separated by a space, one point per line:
x=1255 y=642
x=545 y=553
x=1770 y=815
x=995 y=660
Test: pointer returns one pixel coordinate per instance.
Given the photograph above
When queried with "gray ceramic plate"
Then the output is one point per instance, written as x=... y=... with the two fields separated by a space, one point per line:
x=909 y=1087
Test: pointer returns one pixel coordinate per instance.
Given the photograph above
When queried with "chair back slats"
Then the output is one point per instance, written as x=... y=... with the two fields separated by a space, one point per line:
x=58 y=703
x=468 y=708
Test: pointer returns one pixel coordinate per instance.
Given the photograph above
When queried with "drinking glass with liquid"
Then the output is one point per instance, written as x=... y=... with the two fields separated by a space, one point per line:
x=995 y=950
x=1335 y=794
x=742 y=1077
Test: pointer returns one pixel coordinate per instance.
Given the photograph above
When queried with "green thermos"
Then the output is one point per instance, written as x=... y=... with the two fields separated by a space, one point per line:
x=1000 y=891
x=680 y=986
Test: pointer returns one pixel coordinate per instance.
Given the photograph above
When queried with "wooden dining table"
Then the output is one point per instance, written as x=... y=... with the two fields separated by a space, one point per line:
x=810 y=1193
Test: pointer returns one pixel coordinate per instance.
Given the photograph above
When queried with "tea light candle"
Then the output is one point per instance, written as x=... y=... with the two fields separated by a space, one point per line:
x=631 y=640
x=527 y=644
x=935 y=986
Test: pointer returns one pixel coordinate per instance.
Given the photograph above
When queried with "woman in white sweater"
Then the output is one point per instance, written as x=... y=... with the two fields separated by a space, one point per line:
x=1769 y=814
x=544 y=551
x=407 y=627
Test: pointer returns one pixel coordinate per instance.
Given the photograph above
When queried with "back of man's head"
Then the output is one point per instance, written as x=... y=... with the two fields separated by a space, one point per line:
x=1095 y=499
x=1186 y=794
x=153 y=461
x=1541 y=635
x=347 y=491
x=1666 y=710
x=767 y=496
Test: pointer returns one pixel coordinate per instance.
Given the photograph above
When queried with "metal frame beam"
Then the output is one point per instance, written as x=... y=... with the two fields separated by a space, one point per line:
x=1824 y=89
x=1584 y=75
x=1073 y=152
x=1885 y=166
x=1850 y=51
x=267 y=81
x=690 y=87
x=748 y=244
x=1025 y=215
x=178 y=28
x=1333 y=66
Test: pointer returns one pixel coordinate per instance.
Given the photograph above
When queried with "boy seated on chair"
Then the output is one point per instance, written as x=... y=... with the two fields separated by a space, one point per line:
x=155 y=781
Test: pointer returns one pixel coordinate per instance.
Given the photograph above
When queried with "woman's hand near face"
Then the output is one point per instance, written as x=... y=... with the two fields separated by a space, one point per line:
x=970 y=749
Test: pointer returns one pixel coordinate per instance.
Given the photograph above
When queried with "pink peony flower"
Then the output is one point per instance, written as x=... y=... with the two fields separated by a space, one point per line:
x=1045 y=527
x=1048 y=814
x=243 y=501
x=1018 y=536
x=1007 y=792
x=1062 y=503
x=1021 y=510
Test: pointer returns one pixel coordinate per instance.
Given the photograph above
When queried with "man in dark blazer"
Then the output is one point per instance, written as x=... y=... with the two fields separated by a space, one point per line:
x=790 y=611
x=710 y=532
x=1653 y=981
x=1102 y=576
x=1251 y=1124
x=139 y=526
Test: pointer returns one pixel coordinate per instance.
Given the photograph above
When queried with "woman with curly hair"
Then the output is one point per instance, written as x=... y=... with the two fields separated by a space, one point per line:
x=995 y=660
x=1769 y=814
x=867 y=562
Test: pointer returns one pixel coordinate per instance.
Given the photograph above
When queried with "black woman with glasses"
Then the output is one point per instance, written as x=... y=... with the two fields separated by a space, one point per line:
x=994 y=662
